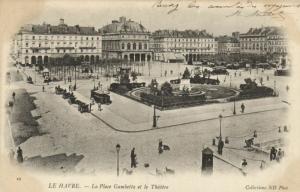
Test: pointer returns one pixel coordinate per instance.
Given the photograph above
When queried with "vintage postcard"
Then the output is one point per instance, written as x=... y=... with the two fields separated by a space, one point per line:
x=149 y=96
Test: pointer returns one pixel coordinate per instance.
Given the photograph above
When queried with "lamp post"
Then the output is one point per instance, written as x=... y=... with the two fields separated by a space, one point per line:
x=275 y=87
x=155 y=117
x=234 y=112
x=220 y=118
x=118 y=147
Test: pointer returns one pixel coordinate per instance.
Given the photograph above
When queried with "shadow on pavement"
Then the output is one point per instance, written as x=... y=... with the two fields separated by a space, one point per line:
x=54 y=163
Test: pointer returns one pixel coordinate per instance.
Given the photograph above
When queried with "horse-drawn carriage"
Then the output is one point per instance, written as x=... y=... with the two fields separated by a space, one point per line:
x=72 y=99
x=67 y=95
x=59 y=90
x=100 y=97
x=29 y=80
x=83 y=107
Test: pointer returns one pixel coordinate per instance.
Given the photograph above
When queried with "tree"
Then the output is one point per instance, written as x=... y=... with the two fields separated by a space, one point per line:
x=166 y=89
x=186 y=74
x=134 y=75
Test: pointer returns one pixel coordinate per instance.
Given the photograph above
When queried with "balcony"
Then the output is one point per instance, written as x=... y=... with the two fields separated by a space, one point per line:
x=87 y=47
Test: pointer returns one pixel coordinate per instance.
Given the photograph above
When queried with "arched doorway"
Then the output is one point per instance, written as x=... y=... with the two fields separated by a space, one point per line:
x=87 y=58
x=40 y=60
x=33 y=60
x=81 y=58
x=97 y=58
x=92 y=59
x=137 y=57
x=46 y=60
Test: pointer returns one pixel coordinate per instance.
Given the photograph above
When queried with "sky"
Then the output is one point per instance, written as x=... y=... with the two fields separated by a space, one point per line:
x=100 y=13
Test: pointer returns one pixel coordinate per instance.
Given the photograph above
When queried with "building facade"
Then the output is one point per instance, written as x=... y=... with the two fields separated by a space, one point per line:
x=35 y=44
x=126 y=39
x=264 y=40
x=228 y=45
x=190 y=45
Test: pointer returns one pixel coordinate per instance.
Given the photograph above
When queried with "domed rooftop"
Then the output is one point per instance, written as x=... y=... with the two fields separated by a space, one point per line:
x=123 y=25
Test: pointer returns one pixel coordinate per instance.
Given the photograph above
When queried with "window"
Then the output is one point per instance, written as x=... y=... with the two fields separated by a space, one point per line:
x=128 y=46
x=145 y=46
x=87 y=38
x=122 y=46
x=26 y=44
x=33 y=37
x=140 y=45
x=26 y=51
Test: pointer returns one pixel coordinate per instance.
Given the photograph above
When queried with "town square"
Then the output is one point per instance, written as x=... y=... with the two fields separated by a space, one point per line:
x=125 y=100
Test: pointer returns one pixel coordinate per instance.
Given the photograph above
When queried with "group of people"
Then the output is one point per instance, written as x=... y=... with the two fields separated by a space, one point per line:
x=276 y=154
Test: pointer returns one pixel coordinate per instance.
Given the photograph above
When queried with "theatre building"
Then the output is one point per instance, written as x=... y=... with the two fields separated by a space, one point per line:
x=35 y=44
x=126 y=39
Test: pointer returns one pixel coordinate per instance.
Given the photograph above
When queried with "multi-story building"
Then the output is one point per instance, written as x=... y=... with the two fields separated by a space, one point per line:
x=126 y=39
x=277 y=42
x=264 y=40
x=35 y=44
x=189 y=45
x=228 y=45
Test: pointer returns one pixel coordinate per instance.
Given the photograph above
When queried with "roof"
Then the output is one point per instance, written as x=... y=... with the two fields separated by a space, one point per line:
x=123 y=26
x=182 y=34
x=263 y=31
x=227 y=39
x=58 y=29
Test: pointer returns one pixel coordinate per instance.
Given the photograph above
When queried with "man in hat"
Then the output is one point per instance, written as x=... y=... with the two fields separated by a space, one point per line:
x=133 y=158
x=20 y=155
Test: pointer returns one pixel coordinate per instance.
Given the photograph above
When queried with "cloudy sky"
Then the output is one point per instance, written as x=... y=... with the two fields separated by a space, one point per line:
x=99 y=13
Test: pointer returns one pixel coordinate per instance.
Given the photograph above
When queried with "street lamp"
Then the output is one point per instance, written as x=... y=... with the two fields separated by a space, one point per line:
x=275 y=87
x=234 y=112
x=118 y=147
x=220 y=118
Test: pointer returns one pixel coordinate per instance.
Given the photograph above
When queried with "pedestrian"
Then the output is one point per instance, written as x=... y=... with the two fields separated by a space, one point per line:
x=240 y=74
x=171 y=72
x=287 y=88
x=14 y=96
x=261 y=81
x=285 y=129
x=166 y=72
x=19 y=155
x=279 y=129
x=273 y=153
x=235 y=74
x=99 y=107
x=90 y=107
x=254 y=134
x=262 y=165
x=268 y=78
x=242 y=108
x=279 y=155
x=133 y=158
x=160 y=147
x=244 y=163
x=70 y=87
x=226 y=140
x=220 y=146
x=43 y=88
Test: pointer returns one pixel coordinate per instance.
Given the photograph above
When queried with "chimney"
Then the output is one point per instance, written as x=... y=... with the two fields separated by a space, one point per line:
x=122 y=19
x=61 y=21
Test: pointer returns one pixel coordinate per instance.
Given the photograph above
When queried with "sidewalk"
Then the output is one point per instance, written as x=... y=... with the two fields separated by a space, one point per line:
x=127 y=115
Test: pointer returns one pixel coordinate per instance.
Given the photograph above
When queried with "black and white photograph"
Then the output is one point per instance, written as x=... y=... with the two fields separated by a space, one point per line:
x=159 y=95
